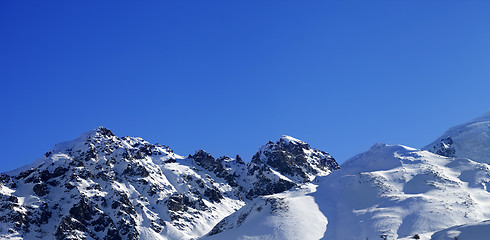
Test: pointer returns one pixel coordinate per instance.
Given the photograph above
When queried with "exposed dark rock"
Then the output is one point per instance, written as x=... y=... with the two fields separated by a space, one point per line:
x=280 y=160
x=206 y=161
x=106 y=132
x=213 y=194
x=266 y=187
x=68 y=227
x=176 y=203
x=53 y=183
x=112 y=234
x=40 y=189
x=21 y=220
x=69 y=185
x=59 y=171
x=44 y=175
x=445 y=148
x=239 y=159
x=140 y=171
x=24 y=174
x=171 y=160
x=102 y=222
x=45 y=216
x=127 y=228
x=294 y=158
x=157 y=226
x=125 y=204
x=83 y=211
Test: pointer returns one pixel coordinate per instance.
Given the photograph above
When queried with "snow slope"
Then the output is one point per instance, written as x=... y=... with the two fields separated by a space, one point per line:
x=469 y=140
x=289 y=215
x=396 y=192
x=472 y=231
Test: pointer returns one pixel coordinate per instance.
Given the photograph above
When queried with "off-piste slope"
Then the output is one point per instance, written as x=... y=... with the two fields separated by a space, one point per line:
x=397 y=192
x=289 y=215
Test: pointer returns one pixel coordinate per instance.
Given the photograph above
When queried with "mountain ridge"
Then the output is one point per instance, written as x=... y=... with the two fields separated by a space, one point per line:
x=100 y=186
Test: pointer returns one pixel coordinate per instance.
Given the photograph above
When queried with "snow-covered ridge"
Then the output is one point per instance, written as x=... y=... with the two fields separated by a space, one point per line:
x=387 y=192
x=469 y=140
x=287 y=140
x=100 y=186
x=398 y=192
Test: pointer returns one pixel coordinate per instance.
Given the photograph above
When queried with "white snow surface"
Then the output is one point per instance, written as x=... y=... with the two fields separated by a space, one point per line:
x=472 y=231
x=470 y=140
x=289 y=215
x=290 y=140
x=397 y=192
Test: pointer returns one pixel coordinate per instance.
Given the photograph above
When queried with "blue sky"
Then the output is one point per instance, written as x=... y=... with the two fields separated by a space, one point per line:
x=227 y=76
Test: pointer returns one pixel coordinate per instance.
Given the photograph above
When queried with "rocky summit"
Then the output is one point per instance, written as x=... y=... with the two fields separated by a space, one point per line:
x=100 y=186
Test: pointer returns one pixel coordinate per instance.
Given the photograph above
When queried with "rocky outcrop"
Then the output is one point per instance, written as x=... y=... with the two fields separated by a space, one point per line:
x=295 y=159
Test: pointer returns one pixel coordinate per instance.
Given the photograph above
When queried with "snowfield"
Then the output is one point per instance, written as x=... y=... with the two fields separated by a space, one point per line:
x=289 y=215
x=472 y=231
x=397 y=192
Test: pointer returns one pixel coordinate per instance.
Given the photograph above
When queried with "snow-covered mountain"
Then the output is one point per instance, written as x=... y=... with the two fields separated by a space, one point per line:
x=388 y=192
x=100 y=186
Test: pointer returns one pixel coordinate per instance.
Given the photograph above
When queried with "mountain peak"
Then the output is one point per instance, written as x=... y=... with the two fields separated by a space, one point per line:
x=380 y=156
x=97 y=133
x=295 y=159
x=103 y=131
x=290 y=140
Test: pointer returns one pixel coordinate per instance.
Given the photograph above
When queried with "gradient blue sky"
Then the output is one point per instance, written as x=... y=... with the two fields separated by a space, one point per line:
x=227 y=76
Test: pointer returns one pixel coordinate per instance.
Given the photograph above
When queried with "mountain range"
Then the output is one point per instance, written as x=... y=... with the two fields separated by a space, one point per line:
x=101 y=186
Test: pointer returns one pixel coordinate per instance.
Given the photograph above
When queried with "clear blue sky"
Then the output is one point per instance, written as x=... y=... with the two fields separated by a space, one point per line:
x=227 y=76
